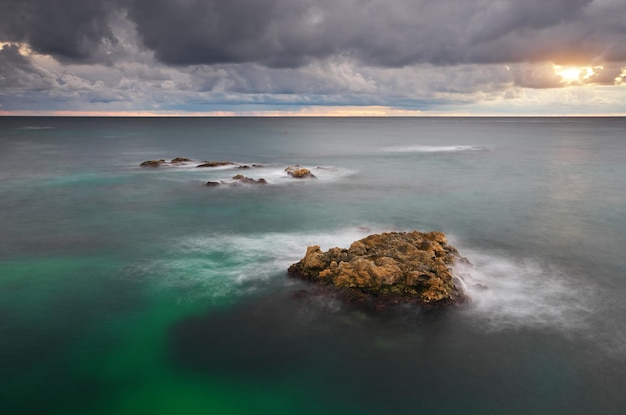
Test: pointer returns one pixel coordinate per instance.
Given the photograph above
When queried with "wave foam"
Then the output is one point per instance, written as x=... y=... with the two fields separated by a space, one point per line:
x=221 y=265
x=434 y=149
x=324 y=174
x=273 y=174
x=505 y=293
x=35 y=127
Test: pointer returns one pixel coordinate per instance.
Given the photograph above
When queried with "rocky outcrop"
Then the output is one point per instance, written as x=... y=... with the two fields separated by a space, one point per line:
x=153 y=163
x=216 y=164
x=299 y=172
x=163 y=162
x=180 y=160
x=237 y=180
x=243 y=179
x=394 y=267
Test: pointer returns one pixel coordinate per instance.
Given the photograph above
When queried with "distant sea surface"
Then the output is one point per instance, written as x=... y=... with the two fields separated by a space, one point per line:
x=130 y=290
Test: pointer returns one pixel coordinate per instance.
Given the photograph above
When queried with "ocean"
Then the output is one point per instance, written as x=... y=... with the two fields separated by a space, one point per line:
x=136 y=290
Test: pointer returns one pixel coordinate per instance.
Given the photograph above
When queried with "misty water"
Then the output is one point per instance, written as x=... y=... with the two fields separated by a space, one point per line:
x=129 y=290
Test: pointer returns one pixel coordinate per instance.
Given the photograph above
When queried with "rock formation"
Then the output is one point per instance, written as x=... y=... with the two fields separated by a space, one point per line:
x=243 y=179
x=163 y=162
x=216 y=164
x=394 y=267
x=179 y=160
x=237 y=180
x=153 y=163
x=299 y=172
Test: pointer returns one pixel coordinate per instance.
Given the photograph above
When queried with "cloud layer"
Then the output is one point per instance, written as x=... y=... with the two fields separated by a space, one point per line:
x=198 y=54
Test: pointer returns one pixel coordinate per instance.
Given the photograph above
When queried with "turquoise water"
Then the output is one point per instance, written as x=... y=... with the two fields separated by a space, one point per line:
x=130 y=290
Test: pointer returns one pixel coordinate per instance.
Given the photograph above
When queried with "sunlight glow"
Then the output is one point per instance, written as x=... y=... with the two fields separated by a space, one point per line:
x=23 y=48
x=576 y=74
x=621 y=78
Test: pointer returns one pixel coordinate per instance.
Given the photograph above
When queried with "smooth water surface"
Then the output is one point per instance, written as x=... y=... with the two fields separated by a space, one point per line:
x=129 y=290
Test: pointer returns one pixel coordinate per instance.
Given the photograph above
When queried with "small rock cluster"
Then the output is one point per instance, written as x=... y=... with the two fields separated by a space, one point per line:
x=294 y=171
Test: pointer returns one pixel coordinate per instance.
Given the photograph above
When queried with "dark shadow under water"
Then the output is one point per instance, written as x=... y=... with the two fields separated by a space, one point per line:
x=400 y=360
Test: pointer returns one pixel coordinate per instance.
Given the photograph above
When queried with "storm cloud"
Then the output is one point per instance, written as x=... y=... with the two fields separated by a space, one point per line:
x=360 y=52
x=287 y=33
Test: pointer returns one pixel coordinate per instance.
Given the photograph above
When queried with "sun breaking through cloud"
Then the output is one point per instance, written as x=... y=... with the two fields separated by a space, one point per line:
x=312 y=56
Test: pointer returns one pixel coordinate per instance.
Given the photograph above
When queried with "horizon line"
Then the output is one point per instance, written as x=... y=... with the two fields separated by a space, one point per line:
x=375 y=111
x=289 y=115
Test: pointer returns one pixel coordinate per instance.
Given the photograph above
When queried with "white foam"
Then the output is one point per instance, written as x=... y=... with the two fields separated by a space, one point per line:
x=35 y=127
x=434 y=149
x=218 y=168
x=273 y=174
x=263 y=255
x=506 y=293
x=219 y=265
x=192 y=165
x=323 y=174
x=276 y=175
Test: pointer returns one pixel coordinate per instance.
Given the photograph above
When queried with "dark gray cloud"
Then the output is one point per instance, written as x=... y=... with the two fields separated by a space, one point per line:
x=70 y=30
x=288 y=33
x=375 y=32
x=205 y=55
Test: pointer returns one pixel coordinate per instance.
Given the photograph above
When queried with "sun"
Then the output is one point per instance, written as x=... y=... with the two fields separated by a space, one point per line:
x=575 y=74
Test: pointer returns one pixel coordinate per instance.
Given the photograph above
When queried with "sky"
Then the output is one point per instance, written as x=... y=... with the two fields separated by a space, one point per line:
x=313 y=57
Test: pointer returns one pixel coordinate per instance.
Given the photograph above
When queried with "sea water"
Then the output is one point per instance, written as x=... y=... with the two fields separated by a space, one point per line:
x=129 y=290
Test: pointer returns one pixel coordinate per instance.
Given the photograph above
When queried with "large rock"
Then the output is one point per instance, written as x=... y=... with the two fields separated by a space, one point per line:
x=391 y=267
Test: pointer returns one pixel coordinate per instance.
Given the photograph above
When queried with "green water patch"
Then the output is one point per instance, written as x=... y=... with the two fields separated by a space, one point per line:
x=128 y=362
x=47 y=286
x=85 y=333
x=174 y=394
x=137 y=378
x=48 y=305
x=137 y=373
x=85 y=179
x=88 y=334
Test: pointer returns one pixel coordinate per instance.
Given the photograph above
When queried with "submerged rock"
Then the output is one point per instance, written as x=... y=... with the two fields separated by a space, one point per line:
x=394 y=267
x=299 y=172
x=212 y=184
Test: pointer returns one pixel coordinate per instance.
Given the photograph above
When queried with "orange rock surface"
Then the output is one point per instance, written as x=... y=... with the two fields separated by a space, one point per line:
x=402 y=266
